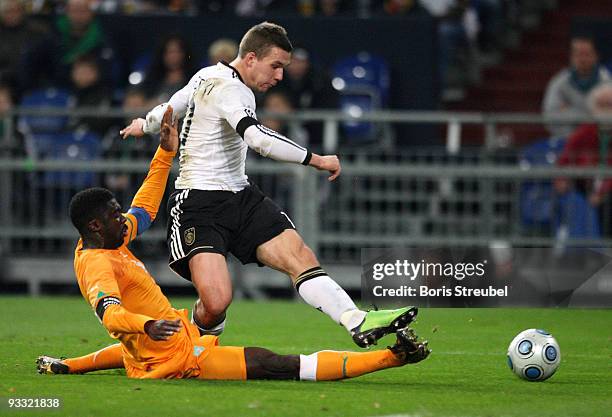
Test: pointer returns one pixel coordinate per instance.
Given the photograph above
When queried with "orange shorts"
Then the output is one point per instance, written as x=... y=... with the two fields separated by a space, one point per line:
x=220 y=362
x=188 y=355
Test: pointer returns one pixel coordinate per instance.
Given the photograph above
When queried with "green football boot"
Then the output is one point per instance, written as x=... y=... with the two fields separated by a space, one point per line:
x=379 y=323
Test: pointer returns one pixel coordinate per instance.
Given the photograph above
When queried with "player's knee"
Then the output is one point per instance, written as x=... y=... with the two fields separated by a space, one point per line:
x=217 y=306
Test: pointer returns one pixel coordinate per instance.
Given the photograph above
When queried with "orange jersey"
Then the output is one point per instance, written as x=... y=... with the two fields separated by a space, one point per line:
x=116 y=278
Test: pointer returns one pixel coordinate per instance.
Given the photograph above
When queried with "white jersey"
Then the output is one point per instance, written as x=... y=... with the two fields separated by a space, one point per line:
x=212 y=152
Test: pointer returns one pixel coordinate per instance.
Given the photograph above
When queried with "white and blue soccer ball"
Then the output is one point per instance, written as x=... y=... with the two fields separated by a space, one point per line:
x=534 y=355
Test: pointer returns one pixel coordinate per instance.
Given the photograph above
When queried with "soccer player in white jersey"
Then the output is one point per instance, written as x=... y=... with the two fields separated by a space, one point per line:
x=216 y=210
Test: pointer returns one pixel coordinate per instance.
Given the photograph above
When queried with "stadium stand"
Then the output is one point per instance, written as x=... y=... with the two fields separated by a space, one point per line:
x=421 y=192
x=528 y=66
x=44 y=98
x=363 y=82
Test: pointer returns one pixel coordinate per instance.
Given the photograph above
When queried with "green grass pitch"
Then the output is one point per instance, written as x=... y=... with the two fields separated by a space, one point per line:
x=466 y=375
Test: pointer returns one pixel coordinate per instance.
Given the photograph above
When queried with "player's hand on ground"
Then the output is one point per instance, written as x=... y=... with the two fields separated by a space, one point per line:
x=162 y=329
x=133 y=129
x=329 y=163
x=168 y=134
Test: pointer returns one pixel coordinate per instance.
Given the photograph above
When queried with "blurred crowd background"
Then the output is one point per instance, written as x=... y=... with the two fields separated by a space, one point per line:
x=117 y=59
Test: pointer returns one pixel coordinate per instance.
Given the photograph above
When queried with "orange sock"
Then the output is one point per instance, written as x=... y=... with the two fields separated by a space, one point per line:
x=109 y=357
x=329 y=365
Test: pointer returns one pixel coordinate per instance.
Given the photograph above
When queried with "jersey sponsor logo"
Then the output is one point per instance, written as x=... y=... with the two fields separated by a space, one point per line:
x=189 y=236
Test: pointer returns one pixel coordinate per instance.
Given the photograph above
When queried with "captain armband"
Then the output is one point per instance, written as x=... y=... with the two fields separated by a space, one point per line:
x=104 y=303
x=245 y=123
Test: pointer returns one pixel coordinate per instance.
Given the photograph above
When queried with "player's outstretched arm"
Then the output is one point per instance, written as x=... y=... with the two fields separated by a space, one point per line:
x=148 y=198
x=153 y=121
x=136 y=129
x=273 y=145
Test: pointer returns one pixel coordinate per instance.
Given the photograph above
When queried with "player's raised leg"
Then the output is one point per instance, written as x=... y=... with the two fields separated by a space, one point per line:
x=288 y=253
x=110 y=357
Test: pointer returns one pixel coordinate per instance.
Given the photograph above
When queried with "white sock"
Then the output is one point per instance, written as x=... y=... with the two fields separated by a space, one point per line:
x=308 y=367
x=324 y=294
x=216 y=330
x=352 y=318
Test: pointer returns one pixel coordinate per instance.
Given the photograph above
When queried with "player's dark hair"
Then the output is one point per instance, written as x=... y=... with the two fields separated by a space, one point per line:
x=260 y=38
x=87 y=205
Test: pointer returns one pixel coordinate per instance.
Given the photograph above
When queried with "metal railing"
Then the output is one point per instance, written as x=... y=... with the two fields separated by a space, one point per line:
x=414 y=197
x=331 y=119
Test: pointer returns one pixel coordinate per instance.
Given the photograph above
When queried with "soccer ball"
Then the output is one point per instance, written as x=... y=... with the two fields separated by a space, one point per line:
x=534 y=355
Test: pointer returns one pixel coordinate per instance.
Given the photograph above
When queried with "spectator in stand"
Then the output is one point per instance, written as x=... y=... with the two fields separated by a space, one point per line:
x=89 y=91
x=222 y=50
x=134 y=102
x=590 y=145
x=398 y=7
x=175 y=6
x=277 y=101
x=171 y=68
x=458 y=29
x=490 y=15
x=18 y=34
x=123 y=184
x=11 y=145
x=77 y=33
x=251 y=8
x=6 y=104
x=567 y=92
x=309 y=88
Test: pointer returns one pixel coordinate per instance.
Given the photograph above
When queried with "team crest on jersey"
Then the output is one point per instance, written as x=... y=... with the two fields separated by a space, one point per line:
x=190 y=236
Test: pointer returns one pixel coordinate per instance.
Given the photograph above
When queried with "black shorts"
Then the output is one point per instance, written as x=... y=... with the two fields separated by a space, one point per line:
x=221 y=222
